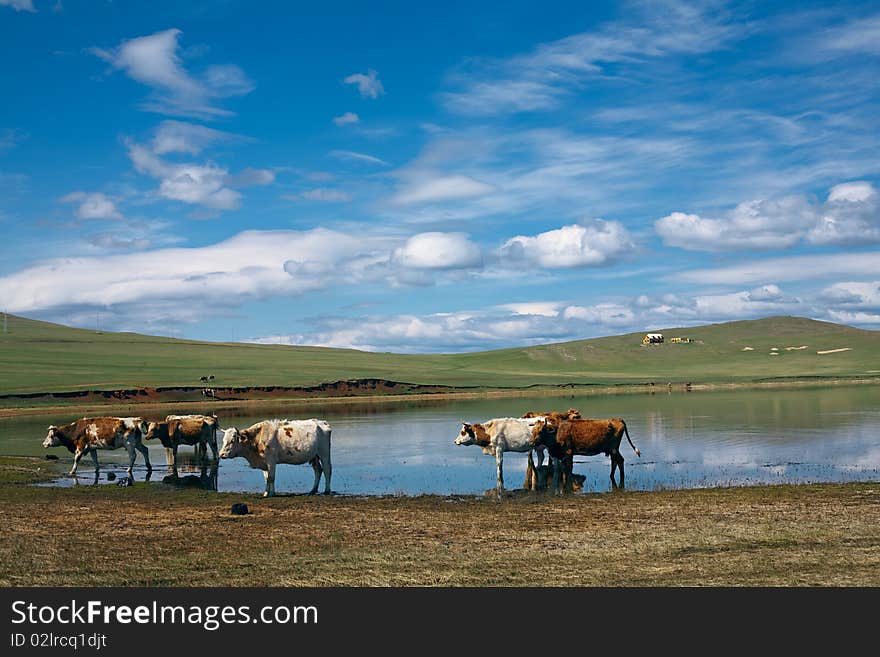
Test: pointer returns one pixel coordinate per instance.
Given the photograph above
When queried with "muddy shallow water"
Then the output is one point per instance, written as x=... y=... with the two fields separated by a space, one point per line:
x=687 y=441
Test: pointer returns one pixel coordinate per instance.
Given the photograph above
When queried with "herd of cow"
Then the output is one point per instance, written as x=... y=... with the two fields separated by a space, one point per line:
x=271 y=442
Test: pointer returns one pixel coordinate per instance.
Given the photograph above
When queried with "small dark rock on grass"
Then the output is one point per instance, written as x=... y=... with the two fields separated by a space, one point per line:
x=239 y=509
x=50 y=457
x=125 y=481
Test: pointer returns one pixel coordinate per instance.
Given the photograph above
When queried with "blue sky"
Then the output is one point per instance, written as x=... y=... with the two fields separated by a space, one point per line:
x=437 y=177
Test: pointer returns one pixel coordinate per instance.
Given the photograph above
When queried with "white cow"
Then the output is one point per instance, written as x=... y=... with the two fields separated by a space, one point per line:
x=506 y=434
x=270 y=442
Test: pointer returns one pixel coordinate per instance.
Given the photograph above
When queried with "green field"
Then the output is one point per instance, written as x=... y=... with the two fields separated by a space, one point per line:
x=39 y=357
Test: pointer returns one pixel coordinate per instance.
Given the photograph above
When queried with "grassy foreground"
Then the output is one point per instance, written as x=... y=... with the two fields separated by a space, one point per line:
x=152 y=535
x=39 y=357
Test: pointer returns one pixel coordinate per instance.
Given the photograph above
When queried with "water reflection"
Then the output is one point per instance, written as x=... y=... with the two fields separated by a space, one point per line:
x=687 y=440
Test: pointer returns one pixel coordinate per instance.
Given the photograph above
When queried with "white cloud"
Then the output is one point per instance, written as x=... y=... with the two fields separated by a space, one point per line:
x=853 y=295
x=349 y=118
x=542 y=308
x=93 y=205
x=181 y=137
x=250 y=265
x=439 y=251
x=368 y=85
x=791 y=268
x=850 y=215
x=205 y=184
x=154 y=60
x=539 y=80
x=358 y=157
x=199 y=184
x=858 y=36
x=322 y=194
x=590 y=244
x=19 y=5
x=439 y=187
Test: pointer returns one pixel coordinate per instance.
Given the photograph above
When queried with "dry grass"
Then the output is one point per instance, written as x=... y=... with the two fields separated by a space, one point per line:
x=150 y=535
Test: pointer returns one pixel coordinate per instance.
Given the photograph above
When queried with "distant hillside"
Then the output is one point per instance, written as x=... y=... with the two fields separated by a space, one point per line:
x=38 y=356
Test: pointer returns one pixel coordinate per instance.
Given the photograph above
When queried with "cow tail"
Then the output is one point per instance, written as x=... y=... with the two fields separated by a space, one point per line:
x=635 y=449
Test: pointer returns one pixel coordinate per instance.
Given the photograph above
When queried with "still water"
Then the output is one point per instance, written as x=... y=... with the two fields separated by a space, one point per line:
x=694 y=440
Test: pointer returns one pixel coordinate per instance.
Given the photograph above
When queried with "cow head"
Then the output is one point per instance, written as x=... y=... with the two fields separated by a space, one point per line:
x=467 y=436
x=233 y=443
x=53 y=438
x=149 y=430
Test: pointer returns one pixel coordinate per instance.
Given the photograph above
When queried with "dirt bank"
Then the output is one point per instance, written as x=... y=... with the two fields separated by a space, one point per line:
x=168 y=399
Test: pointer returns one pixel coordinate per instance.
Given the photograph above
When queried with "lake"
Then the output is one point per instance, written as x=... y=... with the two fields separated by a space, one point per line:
x=701 y=439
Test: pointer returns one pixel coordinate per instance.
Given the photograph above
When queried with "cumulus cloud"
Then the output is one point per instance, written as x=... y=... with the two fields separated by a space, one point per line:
x=155 y=61
x=591 y=244
x=538 y=322
x=439 y=187
x=849 y=215
x=368 y=85
x=348 y=118
x=207 y=185
x=250 y=265
x=435 y=250
x=198 y=184
x=93 y=205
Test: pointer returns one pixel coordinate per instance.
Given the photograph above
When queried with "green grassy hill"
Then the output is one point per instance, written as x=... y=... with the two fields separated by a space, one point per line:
x=39 y=356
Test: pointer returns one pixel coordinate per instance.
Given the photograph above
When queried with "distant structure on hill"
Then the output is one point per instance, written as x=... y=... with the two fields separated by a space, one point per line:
x=653 y=338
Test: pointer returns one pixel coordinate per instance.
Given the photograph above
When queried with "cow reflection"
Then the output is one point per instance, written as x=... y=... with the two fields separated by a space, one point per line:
x=204 y=477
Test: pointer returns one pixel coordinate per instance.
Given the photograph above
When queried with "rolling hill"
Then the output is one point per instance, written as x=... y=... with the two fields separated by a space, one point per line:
x=39 y=356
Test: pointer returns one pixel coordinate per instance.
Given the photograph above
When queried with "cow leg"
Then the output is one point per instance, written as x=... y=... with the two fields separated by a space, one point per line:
x=316 y=466
x=499 y=462
x=94 y=453
x=556 y=466
x=326 y=465
x=131 y=456
x=76 y=457
x=146 y=454
x=173 y=451
x=539 y=452
x=213 y=444
x=169 y=457
x=620 y=465
x=530 y=483
x=270 y=480
x=615 y=462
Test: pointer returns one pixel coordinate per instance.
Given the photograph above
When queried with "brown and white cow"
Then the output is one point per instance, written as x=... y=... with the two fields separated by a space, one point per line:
x=589 y=437
x=90 y=434
x=499 y=435
x=199 y=431
x=553 y=416
x=270 y=442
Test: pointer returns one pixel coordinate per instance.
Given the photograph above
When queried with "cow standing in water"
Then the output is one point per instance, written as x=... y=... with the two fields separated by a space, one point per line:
x=90 y=434
x=494 y=437
x=270 y=442
x=568 y=438
x=200 y=431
